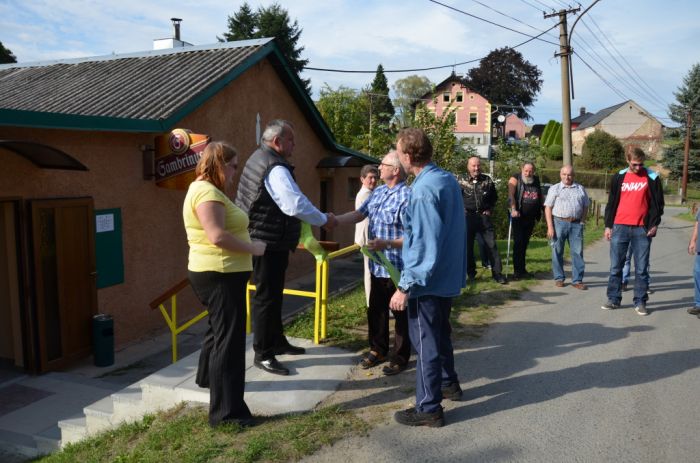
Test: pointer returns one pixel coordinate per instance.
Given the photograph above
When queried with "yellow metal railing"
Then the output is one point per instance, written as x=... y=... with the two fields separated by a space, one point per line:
x=320 y=296
x=171 y=319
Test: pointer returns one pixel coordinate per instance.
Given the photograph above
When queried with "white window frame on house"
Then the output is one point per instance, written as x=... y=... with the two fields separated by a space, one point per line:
x=446 y=97
x=459 y=97
x=476 y=118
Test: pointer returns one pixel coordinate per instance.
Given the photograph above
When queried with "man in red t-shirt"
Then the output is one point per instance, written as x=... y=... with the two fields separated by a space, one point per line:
x=632 y=216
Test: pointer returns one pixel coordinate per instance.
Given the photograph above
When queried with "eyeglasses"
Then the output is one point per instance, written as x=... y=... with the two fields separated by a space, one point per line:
x=385 y=164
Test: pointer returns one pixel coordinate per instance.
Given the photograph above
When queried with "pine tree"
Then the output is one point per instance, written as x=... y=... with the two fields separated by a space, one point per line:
x=687 y=99
x=272 y=21
x=6 y=56
x=382 y=108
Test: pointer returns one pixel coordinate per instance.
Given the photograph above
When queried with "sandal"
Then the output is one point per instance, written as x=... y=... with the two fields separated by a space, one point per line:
x=394 y=368
x=372 y=360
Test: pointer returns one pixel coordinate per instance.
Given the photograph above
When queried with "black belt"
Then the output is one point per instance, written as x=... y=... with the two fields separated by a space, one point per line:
x=474 y=212
x=568 y=219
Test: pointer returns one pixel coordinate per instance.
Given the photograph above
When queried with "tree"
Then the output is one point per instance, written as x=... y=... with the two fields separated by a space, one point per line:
x=272 y=21
x=447 y=152
x=505 y=78
x=6 y=56
x=346 y=111
x=407 y=91
x=687 y=99
x=382 y=109
x=602 y=151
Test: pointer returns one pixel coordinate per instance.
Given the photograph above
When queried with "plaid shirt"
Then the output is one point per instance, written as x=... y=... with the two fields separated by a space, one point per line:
x=385 y=208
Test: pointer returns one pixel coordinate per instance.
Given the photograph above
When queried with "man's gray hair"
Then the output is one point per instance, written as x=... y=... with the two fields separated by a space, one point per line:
x=394 y=157
x=275 y=128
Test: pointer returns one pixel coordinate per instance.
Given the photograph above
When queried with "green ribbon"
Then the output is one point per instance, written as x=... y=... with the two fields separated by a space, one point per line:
x=380 y=259
x=307 y=240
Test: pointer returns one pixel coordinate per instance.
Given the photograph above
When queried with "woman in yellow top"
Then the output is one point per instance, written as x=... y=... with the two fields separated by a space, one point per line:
x=219 y=267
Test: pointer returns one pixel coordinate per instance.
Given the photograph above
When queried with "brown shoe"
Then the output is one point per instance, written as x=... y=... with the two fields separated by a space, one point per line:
x=559 y=283
x=580 y=286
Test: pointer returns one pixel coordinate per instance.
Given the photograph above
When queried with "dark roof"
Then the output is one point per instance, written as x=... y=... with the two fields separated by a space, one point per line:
x=580 y=118
x=599 y=116
x=141 y=92
x=452 y=78
x=537 y=130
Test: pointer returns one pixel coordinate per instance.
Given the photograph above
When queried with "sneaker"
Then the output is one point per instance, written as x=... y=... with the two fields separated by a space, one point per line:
x=650 y=291
x=580 y=286
x=610 y=306
x=694 y=310
x=452 y=392
x=559 y=283
x=641 y=309
x=411 y=417
x=500 y=279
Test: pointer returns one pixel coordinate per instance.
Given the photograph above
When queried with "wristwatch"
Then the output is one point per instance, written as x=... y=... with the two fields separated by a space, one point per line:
x=388 y=244
x=402 y=290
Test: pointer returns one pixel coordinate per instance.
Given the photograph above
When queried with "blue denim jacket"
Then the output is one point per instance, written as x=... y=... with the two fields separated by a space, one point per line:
x=434 y=247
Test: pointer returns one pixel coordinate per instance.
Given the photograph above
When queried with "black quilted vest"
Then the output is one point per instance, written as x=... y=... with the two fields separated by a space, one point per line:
x=267 y=222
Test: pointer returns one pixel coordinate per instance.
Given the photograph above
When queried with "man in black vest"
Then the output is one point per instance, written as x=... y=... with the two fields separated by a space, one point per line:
x=525 y=200
x=268 y=193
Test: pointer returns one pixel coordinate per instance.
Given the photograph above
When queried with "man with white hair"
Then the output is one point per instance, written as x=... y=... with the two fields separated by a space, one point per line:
x=385 y=209
x=268 y=193
x=525 y=201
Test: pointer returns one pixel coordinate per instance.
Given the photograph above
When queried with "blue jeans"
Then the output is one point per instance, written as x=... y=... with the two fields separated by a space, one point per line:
x=429 y=328
x=628 y=266
x=696 y=277
x=573 y=233
x=624 y=237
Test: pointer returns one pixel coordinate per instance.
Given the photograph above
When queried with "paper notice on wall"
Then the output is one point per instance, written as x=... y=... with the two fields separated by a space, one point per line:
x=104 y=223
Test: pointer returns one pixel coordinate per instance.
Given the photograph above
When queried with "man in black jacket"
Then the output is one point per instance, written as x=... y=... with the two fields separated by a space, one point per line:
x=632 y=215
x=479 y=195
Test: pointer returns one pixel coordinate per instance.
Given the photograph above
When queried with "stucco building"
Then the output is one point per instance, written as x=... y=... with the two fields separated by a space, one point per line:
x=628 y=122
x=90 y=222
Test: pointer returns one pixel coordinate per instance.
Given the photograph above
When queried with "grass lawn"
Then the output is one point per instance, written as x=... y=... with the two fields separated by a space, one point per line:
x=183 y=434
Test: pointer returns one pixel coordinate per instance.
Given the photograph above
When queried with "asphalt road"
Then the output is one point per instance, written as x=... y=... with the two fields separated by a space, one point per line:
x=557 y=379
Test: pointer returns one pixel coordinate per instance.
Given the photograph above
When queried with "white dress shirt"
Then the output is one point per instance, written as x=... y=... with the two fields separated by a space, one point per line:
x=289 y=198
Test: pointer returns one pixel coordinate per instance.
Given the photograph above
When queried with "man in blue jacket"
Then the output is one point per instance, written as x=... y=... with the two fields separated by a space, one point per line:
x=435 y=271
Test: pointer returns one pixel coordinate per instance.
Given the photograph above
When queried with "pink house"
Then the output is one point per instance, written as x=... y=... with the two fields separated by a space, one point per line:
x=515 y=127
x=473 y=112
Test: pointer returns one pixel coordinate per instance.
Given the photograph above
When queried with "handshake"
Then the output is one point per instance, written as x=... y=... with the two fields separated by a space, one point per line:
x=331 y=221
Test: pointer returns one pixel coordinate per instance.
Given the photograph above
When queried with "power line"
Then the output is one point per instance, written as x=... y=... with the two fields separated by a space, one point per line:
x=508 y=16
x=607 y=38
x=491 y=22
x=386 y=71
x=530 y=4
x=646 y=95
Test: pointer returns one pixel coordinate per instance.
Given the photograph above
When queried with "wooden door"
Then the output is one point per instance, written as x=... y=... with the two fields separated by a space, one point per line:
x=63 y=244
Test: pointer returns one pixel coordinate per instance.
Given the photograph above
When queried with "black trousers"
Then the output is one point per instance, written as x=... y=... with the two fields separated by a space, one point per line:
x=378 y=322
x=268 y=277
x=222 y=358
x=522 y=231
x=481 y=224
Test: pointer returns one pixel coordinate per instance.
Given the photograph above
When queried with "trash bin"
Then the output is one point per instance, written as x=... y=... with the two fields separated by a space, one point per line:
x=103 y=339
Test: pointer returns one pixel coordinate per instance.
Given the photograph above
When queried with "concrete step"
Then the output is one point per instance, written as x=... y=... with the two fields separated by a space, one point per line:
x=98 y=416
x=48 y=441
x=73 y=430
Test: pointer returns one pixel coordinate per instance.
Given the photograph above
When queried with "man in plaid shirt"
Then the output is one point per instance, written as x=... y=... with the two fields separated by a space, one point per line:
x=384 y=210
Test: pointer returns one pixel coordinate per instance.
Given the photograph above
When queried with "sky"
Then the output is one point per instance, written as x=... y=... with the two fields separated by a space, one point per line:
x=634 y=49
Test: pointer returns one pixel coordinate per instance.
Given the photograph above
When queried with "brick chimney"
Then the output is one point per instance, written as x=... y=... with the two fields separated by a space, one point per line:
x=582 y=112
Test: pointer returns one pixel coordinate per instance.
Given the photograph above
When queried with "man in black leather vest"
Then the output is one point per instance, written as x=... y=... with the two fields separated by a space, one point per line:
x=268 y=193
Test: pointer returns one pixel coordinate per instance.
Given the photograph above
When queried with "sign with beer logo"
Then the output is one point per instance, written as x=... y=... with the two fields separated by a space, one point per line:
x=177 y=154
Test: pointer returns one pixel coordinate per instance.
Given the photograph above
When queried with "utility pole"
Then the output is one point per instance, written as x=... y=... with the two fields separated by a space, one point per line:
x=564 y=54
x=686 y=156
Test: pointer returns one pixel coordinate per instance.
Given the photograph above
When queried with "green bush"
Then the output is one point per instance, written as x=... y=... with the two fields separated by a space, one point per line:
x=555 y=152
x=586 y=178
x=603 y=151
